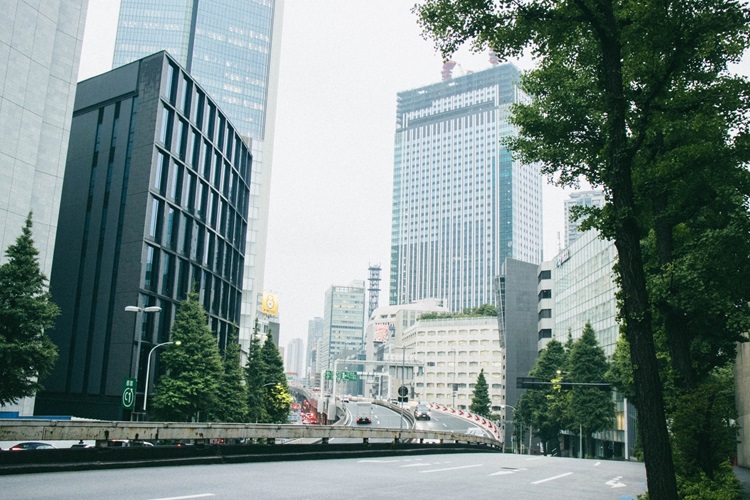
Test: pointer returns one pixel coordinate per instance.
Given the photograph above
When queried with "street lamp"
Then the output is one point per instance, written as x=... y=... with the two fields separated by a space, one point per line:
x=455 y=389
x=137 y=337
x=148 y=369
x=512 y=441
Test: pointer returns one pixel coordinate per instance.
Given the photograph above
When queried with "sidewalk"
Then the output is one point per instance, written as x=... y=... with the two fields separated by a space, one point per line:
x=743 y=475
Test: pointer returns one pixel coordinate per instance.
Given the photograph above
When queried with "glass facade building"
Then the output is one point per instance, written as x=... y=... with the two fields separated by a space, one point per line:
x=155 y=204
x=231 y=48
x=461 y=204
x=343 y=323
x=40 y=49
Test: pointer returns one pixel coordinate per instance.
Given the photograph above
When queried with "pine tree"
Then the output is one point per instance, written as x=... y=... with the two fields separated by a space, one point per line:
x=189 y=390
x=232 y=405
x=255 y=378
x=27 y=354
x=480 y=398
x=277 y=399
x=591 y=409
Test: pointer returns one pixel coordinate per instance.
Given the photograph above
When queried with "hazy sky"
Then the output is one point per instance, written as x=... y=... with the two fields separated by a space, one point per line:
x=342 y=63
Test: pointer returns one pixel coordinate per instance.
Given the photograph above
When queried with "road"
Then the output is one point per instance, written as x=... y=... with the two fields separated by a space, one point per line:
x=445 y=476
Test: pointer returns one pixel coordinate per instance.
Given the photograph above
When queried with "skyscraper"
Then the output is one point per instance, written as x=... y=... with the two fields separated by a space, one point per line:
x=295 y=357
x=231 y=48
x=155 y=205
x=594 y=198
x=40 y=48
x=461 y=204
x=343 y=323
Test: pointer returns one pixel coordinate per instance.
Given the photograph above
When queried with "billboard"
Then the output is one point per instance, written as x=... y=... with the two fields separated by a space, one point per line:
x=382 y=332
x=270 y=304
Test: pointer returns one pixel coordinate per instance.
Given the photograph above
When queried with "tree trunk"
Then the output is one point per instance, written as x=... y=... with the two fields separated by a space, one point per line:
x=662 y=484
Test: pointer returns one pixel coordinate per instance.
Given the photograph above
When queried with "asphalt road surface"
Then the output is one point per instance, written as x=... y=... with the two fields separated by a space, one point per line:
x=446 y=476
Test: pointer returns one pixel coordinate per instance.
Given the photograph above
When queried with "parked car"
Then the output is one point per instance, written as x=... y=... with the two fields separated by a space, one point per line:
x=31 y=445
x=422 y=411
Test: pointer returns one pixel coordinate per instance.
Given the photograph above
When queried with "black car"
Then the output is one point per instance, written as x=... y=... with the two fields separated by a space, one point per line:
x=422 y=412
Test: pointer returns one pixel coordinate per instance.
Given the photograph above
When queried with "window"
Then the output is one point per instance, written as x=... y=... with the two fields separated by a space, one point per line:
x=545 y=313
x=545 y=294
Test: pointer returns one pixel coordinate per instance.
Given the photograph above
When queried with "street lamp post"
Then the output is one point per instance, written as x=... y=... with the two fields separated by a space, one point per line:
x=455 y=389
x=148 y=369
x=512 y=441
x=137 y=337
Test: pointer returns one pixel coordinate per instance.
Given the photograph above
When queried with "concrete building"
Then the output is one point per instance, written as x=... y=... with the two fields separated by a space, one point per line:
x=594 y=198
x=155 y=204
x=314 y=335
x=452 y=353
x=343 y=323
x=517 y=318
x=461 y=204
x=40 y=49
x=232 y=49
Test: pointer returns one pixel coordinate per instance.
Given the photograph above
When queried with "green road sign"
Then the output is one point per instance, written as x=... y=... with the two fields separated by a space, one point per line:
x=128 y=393
x=329 y=375
x=346 y=376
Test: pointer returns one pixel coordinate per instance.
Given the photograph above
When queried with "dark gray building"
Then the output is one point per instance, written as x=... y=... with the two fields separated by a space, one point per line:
x=154 y=204
x=517 y=315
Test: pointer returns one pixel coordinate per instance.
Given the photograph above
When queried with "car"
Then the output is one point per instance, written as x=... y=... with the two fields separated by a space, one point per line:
x=32 y=445
x=126 y=442
x=422 y=412
x=476 y=431
x=345 y=399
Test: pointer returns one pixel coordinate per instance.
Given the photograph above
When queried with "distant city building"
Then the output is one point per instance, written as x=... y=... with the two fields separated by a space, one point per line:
x=516 y=288
x=155 y=204
x=295 y=356
x=461 y=203
x=580 y=199
x=314 y=336
x=40 y=48
x=343 y=323
x=231 y=48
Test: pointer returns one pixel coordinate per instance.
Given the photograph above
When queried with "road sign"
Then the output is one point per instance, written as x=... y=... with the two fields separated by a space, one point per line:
x=329 y=375
x=403 y=391
x=128 y=393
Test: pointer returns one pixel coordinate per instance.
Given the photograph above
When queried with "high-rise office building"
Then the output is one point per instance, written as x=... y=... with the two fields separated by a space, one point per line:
x=314 y=334
x=461 y=203
x=343 y=323
x=231 y=48
x=40 y=48
x=594 y=198
x=155 y=204
x=295 y=357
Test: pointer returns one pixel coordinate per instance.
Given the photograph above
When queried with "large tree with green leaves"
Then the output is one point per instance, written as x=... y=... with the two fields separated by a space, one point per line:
x=612 y=75
x=277 y=400
x=480 y=398
x=591 y=409
x=545 y=410
x=189 y=389
x=26 y=311
x=232 y=405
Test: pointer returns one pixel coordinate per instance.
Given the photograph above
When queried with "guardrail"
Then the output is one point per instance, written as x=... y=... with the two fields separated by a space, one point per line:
x=104 y=431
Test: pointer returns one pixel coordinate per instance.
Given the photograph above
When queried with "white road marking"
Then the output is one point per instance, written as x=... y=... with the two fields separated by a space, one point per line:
x=552 y=478
x=377 y=461
x=597 y=464
x=416 y=465
x=615 y=483
x=452 y=468
x=202 y=495
x=535 y=458
x=508 y=471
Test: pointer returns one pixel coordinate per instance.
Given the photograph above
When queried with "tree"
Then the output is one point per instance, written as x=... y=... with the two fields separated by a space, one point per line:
x=544 y=410
x=255 y=379
x=591 y=409
x=277 y=400
x=189 y=389
x=480 y=398
x=232 y=405
x=27 y=354
x=608 y=73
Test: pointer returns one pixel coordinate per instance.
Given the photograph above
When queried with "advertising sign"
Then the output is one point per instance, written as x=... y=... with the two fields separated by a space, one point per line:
x=270 y=304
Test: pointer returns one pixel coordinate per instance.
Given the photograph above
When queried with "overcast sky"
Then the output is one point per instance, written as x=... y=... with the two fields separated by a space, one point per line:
x=342 y=63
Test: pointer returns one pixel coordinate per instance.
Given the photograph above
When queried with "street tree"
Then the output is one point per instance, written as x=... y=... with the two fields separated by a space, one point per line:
x=607 y=73
x=277 y=400
x=27 y=354
x=480 y=398
x=591 y=409
x=232 y=404
x=544 y=410
x=255 y=379
x=189 y=389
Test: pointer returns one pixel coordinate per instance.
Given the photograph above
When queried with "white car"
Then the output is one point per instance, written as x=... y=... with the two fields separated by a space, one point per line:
x=476 y=431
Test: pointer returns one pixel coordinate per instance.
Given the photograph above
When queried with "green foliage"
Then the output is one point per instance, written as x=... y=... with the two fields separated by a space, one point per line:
x=232 y=405
x=26 y=311
x=591 y=409
x=255 y=378
x=189 y=389
x=721 y=485
x=620 y=372
x=481 y=311
x=277 y=399
x=480 y=398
